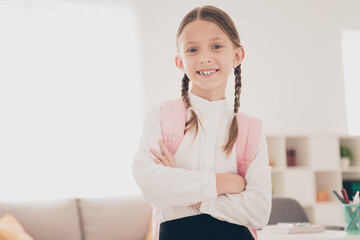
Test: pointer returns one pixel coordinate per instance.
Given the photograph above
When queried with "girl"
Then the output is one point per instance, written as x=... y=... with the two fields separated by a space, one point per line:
x=195 y=190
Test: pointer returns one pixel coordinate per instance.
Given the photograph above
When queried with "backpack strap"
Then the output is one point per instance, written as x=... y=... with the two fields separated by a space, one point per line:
x=173 y=119
x=249 y=133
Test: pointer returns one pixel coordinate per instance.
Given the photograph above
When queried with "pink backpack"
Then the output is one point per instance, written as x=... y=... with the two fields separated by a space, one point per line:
x=173 y=119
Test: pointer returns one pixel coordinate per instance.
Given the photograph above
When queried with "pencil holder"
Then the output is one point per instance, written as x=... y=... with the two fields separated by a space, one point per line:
x=352 y=218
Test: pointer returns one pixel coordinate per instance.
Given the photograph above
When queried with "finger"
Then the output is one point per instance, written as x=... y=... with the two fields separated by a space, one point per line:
x=156 y=160
x=157 y=154
x=167 y=153
x=160 y=157
x=164 y=149
x=172 y=162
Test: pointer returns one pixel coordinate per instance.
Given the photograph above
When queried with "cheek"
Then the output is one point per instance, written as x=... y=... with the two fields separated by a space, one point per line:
x=229 y=63
x=188 y=64
x=228 y=66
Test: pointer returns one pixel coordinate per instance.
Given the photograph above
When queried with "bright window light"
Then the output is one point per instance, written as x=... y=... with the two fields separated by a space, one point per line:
x=351 y=66
x=70 y=100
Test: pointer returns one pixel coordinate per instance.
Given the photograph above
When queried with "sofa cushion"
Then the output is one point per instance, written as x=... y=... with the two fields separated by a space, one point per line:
x=11 y=229
x=115 y=218
x=46 y=220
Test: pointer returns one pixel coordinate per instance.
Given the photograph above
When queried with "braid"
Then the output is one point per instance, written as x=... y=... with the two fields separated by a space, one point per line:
x=184 y=90
x=233 y=130
x=193 y=121
x=237 y=72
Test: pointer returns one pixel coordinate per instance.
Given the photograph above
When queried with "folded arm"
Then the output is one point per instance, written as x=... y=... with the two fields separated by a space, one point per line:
x=252 y=207
x=166 y=186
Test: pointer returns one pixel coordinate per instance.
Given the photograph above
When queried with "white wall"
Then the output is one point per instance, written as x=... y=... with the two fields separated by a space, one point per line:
x=292 y=72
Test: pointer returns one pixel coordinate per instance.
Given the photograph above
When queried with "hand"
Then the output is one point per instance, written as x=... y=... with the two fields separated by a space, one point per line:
x=166 y=159
x=230 y=183
x=197 y=205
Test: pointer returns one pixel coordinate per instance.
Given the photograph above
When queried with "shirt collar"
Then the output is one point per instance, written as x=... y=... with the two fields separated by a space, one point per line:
x=202 y=104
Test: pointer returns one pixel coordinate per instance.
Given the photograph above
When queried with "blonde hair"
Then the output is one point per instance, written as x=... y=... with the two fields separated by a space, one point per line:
x=223 y=20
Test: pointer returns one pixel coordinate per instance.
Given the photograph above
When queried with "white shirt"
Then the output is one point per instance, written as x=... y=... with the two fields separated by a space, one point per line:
x=173 y=190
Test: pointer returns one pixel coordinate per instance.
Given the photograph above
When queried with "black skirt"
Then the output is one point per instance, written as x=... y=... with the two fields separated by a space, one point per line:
x=202 y=226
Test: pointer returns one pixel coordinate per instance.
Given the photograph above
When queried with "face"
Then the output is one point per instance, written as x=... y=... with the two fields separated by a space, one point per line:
x=207 y=56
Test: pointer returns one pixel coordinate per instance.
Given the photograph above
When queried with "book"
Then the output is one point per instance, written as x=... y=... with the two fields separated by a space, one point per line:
x=288 y=228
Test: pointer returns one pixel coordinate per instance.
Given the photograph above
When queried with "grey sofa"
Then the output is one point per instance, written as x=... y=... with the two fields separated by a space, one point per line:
x=113 y=218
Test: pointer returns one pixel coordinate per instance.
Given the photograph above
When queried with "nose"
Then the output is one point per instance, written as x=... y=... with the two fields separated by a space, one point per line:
x=205 y=60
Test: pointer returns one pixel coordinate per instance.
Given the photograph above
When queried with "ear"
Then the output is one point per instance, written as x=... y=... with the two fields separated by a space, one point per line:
x=239 y=55
x=179 y=63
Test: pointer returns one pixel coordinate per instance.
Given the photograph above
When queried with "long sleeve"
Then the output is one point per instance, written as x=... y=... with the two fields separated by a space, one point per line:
x=165 y=186
x=252 y=207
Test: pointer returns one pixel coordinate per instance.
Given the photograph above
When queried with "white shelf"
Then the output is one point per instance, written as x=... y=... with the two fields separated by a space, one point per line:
x=317 y=170
x=277 y=169
x=327 y=170
x=351 y=169
x=326 y=204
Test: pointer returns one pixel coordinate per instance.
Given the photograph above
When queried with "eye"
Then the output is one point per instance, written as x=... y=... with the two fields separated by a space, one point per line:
x=192 y=50
x=217 y=46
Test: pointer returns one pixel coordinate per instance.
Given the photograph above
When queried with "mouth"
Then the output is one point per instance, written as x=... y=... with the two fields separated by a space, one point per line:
x=207 y=72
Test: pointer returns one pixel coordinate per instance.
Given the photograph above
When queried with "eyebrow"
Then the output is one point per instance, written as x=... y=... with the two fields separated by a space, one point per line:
x=210 y=40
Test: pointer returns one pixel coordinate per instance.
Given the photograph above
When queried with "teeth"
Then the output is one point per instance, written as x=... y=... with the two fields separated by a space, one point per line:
x=207 y=72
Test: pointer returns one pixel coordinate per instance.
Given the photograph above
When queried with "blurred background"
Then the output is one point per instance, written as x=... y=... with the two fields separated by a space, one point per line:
x=77 y=78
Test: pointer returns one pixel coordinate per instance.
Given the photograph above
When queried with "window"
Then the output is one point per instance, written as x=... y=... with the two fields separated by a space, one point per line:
x=70 y=99
x=351 y=60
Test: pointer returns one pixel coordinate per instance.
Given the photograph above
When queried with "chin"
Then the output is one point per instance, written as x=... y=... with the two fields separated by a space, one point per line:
x=209 y=86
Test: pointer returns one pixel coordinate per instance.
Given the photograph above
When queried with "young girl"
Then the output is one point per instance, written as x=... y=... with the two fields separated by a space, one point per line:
x=196 y=192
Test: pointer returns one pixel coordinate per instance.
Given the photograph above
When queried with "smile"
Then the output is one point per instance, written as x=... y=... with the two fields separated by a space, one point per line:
x=207 y=72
